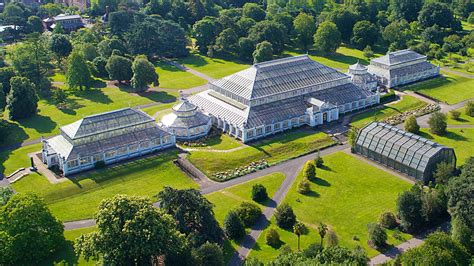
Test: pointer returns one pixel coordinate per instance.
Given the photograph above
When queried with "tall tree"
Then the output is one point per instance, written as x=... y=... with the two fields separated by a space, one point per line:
x=271 y=32
x=205 y=31
x=22 y=100
x=263 y=52
x=364 y=33
x=78 y=75
x=299 y=229
x=344 y=18
x=409 y=207
x=405 y=9
x=327 y=38
x=253 y=11
x=130 y=231
x=437 y=123
x=35 y=24
x=305 y=28
x=26 y=224
x=436 y=13
x=397 y=34
x=60 y=46
x=119 y=68
x=120 y=21
x=143 y=73
x=227 y=41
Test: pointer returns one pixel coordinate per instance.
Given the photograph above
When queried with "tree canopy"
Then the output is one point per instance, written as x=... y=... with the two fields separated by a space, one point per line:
x=22 y=100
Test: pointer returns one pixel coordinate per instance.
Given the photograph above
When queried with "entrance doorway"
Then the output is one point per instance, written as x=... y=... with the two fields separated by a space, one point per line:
x=325 y=117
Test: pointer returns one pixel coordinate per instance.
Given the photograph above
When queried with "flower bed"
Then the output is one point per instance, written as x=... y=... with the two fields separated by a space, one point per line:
x=240 y=171
x=203 y=141
x=400 y=118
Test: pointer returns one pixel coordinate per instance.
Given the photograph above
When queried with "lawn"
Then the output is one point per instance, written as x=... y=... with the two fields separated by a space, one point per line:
x=348 y=195
x=10 y=161
x=460 y=139
x=463 y=119
x=78 y=198
x=218 y=142
x=450 y=88
x=406 y=104
x=171 y=77
x=50 y=118
x=152 y=110
x=213 y=67
x=274 y=149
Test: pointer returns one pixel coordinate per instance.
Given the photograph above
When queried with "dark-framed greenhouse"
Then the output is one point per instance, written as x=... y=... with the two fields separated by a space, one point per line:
x=405 y=152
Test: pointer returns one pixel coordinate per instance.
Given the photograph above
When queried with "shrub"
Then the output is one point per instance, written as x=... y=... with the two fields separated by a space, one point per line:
x=259 y=193
x=455 y=114
x=437 y=123
x=272 y=238
x=304 y=187
x=285 y=217
x=233 y=226
x=377 y=235
x=388 y=220
x=309 y=171
x=99 y=164
x=248 y=212
x=411 y=125
x=470 y=108
x=331 y=239
x=319 y=162
x=208 y=254
x=312 y=250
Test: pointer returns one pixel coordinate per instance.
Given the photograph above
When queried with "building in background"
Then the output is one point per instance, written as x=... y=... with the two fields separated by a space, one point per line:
x=81 y=4
x=68 y=22
x=361 y=77
x=278 y=95
x=405 y=152
x=103 y=139
x=402 y=67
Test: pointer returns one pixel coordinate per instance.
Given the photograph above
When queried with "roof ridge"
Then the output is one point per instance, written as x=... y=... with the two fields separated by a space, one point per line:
x=279 y=60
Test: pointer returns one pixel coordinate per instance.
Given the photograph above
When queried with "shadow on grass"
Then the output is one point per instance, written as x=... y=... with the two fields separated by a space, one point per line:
x=341 y=58
x=64 y=256
x=167 y=67
x=94 y=95
x=326 y=168
x=42 y=124
x=196 y=60
x=12 y=133
x=321 y=182
x=312 y=194
x=449 y=135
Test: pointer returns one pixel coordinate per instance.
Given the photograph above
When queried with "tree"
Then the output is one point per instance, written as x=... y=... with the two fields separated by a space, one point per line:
x=263 y=52
x=193 y=215
x=461 y=233
x=397 y=34
x=285 y=217
x=209 y=254
x=437 y=123
x=131 y=231
x=405 y=9
x=243 y=26
x=352 y=135
x=285 y=19
x=455 y=114
x=433 y=34
x=227 y=42
x=119 y=68
x=120 y=21
x=5 y=194
x=205 y=31
x=299 y=229
x=78 y=75
x=27 y=224
x=249 y=213
x=14 y=13
x=233 y=226
x=332 y=239
x=305 y=28
x=364 y=34
x=327 y=38
x=319 y=162
x=60 y=46
x=408 y=207
x=89 y=51
x=309 y=170
x=322 y=230
x=6 y=73
x=438 y=249
x=58 y=29
x=106 y=46
x=35 y=24
x=411 y=125
x=460 y=194
x=259 y=193
x=470 y=108
x=344 y=19
x=272 y=238
x=377 y=236
x=143 y=73
x=49 y=10
x=22 y=100
x=99 y=67
x=436 y=13
x=304 y=186
x=388 y=220
x=269 y=31
x=253 y=11
x=444 y=172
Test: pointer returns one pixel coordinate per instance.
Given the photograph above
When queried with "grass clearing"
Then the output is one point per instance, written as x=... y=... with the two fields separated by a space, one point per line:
x=407 y=103
x=450 y=88
x=218 y=142
x=348 y=195
x=152 y=110
x=10 y=161
x=213 y=67
x=274 y=149
x=460 y=139
x=171 y=77
x=463 y=118
x=79 y=197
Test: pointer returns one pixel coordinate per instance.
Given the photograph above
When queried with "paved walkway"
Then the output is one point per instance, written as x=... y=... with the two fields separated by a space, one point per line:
x=187 y=69
x=459 y=73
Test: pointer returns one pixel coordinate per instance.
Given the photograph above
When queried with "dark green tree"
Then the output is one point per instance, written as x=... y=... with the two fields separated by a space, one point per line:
x=405 y=9
x=271 y=32
x=120 y=21
x=233 y=226
x=244 y=25
x=246 y=48
x=5 y=194
x=6 y=73
x=305 y=28
x=78 y=75
x=285 y=19
x=436 y=13
x=272 y=238
x=259 y=193
x=444 y=172
x=322 y=231
x=205 y=31
x=208 y=254
x=119 y=68
x=99 y=67
x=131 y=231
x=388 y=220
x=22 y=100
x=397 y=34
x=27 y=224
x=437 y=123
x=377 y=235
x=253 y=11
x=309 y=170
x=60 y=46
x=143 y=73
x=461 y=233
x=299 y=229
x=35 y=24
x=411 y=125
x=409 y=207
x=106 y=46
x=327 y=38
x=460 y=193
x=285 y=217
x=263 y=52
x=304 y=186
x=344 y=18
x=364 y=34
x=248 y=212
x=227 y=42
x=469 y=108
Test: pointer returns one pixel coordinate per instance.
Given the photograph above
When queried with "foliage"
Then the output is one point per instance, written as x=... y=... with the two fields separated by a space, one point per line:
x=26 y=224
x=143 y=73
x=455 y=114
x=461 y=233
x=405 y=9
x=227 y=42
x=364 y=34
x=397 y=34
x=119 y=21
x=438 y=249
x=344 y=19
x=269 y=31
x=352 y=135
x=119 y=68
x=208 y=254
x=437 y=123
x=107 y=46
x=304 y=186
x=377 y=235
x=331 y=239
x=99 y=67
x=327 y=38
x=470 y=108
x=193 y=214
x=299 y=229
x=78 y=75
x=322 y=231
x=444 y=172
x=205 y=31
x=89 y=51
x=460 y=193
x=368 y=53
x=259 y=193
x=131 y=231
x=318 y=162
x=253 y=11
x=411 y=125
x=22 y=100
x=35 y=24
x=388 y=220
x=436 y=13
x=6 y=73
x=60 y=45
x=305 y=28
x=272 y=238
x=263 y=52
x=59 y=96
x=248 y=212
x=5 y=194
x=285 y=217
x=233 y=225
x=409 y=211
x=309 y=170
x=334 y=255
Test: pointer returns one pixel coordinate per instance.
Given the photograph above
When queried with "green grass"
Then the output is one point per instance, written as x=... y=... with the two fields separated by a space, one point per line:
x=171 y=77
x=218 y=142
x=460 y=139
x=275 y=149
x=463 y=119
x=152 y=110
x=213 y=67
x=78 y=198
x=348 y=195
x=406 y=104
x=10 y=161
x=450 y=88
x=58 y=77
x=50 y=118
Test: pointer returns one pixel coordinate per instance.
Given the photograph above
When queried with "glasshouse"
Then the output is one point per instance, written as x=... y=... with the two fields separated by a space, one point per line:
x=405 y=152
